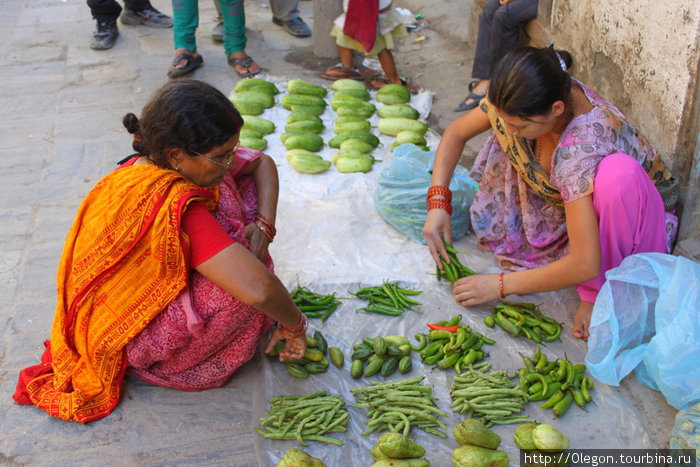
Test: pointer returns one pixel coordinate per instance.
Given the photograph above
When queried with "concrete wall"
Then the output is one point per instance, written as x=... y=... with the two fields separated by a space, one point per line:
x=644 y=57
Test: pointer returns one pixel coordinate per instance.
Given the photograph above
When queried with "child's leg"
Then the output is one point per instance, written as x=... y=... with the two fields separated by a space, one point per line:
x=386 y=60
x=631 y=220
x=345 y=55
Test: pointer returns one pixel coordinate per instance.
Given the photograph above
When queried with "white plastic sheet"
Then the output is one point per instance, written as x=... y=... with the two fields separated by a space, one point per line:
x=331 y=239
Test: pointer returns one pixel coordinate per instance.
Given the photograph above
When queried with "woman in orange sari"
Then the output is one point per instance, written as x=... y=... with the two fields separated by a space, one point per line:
x=165 y=272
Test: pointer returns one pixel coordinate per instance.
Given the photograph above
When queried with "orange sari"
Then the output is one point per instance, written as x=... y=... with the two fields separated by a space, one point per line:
x=122 y=263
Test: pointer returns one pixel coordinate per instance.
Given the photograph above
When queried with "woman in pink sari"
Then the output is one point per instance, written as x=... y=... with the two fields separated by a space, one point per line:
x=567 y=186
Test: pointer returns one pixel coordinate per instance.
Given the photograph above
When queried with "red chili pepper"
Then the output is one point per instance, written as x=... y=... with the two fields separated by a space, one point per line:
x=444 y=328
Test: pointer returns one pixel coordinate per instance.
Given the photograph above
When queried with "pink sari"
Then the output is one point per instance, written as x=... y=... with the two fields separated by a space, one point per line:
x=201 y=339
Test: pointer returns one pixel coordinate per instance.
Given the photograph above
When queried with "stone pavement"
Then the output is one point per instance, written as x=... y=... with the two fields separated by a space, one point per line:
x=62 y=132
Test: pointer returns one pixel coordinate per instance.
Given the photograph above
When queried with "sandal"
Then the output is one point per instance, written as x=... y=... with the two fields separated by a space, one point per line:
x=245 y=62
x=475 y=98
x=192 y=62
x=378 y=83
x=340 y=72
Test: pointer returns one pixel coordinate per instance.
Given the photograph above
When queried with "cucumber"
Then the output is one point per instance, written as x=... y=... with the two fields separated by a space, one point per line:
x=352 y=111
x=249 y=108
x=299 y=86
x=258 y=124
x=380 y=346
x=352 y=102
x=255 y=97
x=350 y=118
x=303 y=142
x=302 y=99
x=313 y=354
x=409 y=136
x=337 y=356
x=350 y=153
x=315 y=367
x=311 y=109
x=389 y=366
x=317 y=140
x=309 y=164
x=373 y=367
x=405 y=364
x=248 y=133
x=392 y=126
x=393 y=94
x=297 y=370
x=367 y=137
x=305 y=153
x=302 y=116
x=347 y=127
x=397 y=110
x=352 y=164
x=259 y=144
x=354 y=144
x=345 y=84
x=357 y=368
x=305 y=125
x=256 y=84
x=356 y=93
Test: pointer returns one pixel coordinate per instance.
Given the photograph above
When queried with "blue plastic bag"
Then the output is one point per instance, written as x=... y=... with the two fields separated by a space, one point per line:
x=402 y=187
x=647 y=318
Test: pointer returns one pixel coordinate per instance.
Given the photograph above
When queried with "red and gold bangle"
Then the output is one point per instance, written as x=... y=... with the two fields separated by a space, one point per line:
x=296 y=331
x=439 y=190
x=500 y=285
x=440 y=203
x=265 y=227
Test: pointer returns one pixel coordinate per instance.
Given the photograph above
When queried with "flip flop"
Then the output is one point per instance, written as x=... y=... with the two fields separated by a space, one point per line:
x=340 y=72
x=245 y=62
x=476 y=98
x=192 y=62
x=378 y=83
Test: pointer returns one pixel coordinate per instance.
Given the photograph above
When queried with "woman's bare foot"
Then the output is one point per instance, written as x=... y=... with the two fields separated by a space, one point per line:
x=582 y=319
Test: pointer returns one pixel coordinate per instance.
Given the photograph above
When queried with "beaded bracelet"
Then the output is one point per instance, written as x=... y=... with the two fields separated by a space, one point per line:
x=296 y=331
x=500 y=285
x=439 y=190
x=440 y=203
x=265 y=227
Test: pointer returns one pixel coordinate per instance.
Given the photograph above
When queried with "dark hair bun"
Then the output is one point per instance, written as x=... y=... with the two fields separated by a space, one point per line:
x=131 y=123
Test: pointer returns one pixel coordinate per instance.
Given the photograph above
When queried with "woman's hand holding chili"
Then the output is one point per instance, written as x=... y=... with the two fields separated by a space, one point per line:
x=477 y=289
x=437 y=225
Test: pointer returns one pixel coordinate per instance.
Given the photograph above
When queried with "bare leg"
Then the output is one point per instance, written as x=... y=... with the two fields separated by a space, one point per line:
x=345 y=55
x=386 y=60
x=582 y=319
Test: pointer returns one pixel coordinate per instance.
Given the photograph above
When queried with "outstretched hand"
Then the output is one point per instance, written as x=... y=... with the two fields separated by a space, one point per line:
x=294 y=347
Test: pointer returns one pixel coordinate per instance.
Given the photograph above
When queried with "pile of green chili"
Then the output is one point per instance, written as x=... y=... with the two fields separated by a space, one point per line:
x=526 y=319
x=454 y=269
x=314 y=305
x=558 y=383
x=388 y=298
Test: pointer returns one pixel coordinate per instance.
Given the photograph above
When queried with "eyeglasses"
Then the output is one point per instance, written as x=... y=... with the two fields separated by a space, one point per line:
x=230 y=157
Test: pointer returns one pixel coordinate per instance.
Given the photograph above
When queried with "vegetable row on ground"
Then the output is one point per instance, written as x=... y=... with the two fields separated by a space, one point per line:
x=396 y=409
x=351 y=109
